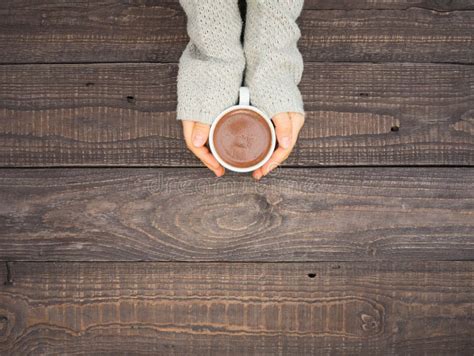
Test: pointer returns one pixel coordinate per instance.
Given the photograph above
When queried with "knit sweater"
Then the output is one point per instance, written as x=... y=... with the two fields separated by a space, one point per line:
x=211 y=68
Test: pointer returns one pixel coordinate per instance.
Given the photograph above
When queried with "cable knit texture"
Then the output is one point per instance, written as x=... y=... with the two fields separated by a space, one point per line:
x=212 y=64
x=274 y=63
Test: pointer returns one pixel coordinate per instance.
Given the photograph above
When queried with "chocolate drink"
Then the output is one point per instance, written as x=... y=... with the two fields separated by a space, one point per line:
x=242 y=138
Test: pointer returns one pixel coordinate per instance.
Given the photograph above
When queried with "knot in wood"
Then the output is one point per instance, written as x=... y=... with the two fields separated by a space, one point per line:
x=3 y=324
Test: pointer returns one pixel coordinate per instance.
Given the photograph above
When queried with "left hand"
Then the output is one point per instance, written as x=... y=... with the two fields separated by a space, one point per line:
x=196 y=135
x=287 y=127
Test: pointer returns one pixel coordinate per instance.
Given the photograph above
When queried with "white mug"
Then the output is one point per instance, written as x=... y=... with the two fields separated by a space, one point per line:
x=244 y=103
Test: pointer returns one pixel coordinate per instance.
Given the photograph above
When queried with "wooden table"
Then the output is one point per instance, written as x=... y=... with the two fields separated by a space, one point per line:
x=115 y=240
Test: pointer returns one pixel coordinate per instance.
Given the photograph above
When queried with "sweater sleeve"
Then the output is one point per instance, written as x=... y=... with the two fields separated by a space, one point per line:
x=274 y=63
x=212 y=64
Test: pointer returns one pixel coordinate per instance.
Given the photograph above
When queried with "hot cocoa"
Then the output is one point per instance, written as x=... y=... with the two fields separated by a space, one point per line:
x=242 y=138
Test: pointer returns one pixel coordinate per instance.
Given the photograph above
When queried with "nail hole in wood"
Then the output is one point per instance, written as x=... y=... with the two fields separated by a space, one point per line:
x=311 y=275
x=364 y=94
x=394 y=128
x=131 y=99
x=89 y=84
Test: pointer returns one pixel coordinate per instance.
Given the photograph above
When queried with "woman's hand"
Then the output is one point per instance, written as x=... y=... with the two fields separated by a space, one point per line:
x=287 y=127
x=196 y=135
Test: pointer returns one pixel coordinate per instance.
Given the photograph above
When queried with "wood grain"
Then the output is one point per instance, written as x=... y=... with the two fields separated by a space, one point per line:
x=437 y=5
x=331 y=214
x=208 y=288
x=64 y=31
x=408 y=308
x=413 y=35
x=124 y=114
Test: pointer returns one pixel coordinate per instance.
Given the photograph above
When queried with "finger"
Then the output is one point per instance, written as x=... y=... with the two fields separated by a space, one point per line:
x=209 y=160
x=219 y=172
x=188 y=133
x=275 y=160
x=283 y=129
x=257 y=174
x=206 y=157
x=297 y=121
x=202 y=153
x=188 y=129
x=200 y=134
x=280 y=155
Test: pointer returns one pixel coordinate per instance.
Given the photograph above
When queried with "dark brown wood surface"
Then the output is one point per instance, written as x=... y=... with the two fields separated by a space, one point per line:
x=373 y=255
x=60 y=31
x=413 y=35
x=328 y=214
x=437 y=5
x=388 y=308
x=124 y=114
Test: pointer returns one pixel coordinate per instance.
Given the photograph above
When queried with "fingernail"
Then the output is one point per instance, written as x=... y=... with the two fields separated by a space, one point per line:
x=258 y=175
x=198 y=140
x=285 y=142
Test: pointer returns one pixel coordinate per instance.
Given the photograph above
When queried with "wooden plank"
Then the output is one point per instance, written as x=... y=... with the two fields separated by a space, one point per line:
x=124 y=114
x=443 y=5
x=414 y=35
x=332 y=214
x=64 y=31
x=405 y=308
x=91 y=31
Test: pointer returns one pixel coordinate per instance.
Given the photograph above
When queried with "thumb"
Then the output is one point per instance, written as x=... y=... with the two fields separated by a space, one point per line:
x=283 y=129
x=200 y=134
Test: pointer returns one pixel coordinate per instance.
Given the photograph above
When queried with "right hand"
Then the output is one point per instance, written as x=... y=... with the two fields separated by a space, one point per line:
x=287 y=127
x=196 y=135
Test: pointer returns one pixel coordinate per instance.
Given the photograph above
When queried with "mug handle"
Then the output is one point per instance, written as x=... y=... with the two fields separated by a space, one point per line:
x=244 y=96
